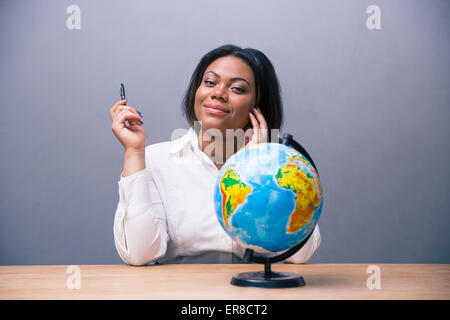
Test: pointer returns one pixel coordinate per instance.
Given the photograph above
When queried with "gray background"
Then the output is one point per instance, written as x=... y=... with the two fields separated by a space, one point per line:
x=372 y=107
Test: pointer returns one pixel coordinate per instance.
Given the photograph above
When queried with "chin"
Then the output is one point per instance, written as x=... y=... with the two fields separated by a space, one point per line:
x=212 y=124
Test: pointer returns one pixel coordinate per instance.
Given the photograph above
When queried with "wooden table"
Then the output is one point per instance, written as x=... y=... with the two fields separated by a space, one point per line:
x=212 y=282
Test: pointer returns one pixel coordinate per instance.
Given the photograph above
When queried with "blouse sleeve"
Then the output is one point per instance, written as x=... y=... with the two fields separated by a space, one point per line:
x=140 y=228
x=306 y=252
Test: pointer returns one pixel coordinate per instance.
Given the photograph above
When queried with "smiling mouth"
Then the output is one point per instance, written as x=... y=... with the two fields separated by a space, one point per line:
x=216 y=109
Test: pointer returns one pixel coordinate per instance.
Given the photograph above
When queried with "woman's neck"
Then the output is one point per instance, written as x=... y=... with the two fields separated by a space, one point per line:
x=217 y=148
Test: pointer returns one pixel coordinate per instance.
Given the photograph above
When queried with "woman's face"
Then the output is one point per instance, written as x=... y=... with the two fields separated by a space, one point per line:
x=226 y=95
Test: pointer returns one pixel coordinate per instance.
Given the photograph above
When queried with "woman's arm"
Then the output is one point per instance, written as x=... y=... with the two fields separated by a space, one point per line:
x=306 y=252
x=134 y=161
x=140 y=229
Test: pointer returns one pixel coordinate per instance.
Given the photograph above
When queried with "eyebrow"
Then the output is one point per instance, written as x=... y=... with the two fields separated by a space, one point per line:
x=232 y=79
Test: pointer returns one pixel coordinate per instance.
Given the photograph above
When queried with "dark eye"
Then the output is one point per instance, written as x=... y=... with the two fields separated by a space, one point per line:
x=239 y=89
x=209 y=82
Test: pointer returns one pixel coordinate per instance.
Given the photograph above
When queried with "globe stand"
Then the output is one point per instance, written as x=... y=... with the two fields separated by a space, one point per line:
x=269 y=278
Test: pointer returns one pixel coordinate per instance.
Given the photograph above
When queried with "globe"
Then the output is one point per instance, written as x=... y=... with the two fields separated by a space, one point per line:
x=268 y=198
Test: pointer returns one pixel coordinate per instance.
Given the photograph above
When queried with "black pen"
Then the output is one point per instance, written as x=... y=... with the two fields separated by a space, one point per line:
x=123 y=97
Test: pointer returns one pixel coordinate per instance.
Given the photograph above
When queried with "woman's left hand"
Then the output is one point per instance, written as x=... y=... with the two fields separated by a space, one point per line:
x=259 y=133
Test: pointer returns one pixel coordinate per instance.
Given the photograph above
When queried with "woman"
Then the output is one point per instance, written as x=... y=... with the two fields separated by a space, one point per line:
x=165 y=212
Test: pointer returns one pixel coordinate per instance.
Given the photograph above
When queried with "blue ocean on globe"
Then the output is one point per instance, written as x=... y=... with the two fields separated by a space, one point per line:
x=268 y=197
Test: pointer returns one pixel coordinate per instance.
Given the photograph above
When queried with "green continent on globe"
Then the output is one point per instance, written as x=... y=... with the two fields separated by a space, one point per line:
x=290 y=176
x=233 y=191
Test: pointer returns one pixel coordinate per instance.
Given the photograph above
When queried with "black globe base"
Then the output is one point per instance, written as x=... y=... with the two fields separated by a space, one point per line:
x=271 y=280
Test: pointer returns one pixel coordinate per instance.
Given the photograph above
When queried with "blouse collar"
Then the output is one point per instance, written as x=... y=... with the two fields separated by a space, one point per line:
x=189 y=139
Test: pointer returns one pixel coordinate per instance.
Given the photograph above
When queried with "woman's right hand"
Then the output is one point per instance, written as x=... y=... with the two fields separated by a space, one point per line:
x=132 y=137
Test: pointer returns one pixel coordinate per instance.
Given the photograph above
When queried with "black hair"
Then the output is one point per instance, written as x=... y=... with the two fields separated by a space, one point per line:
x=268 y=97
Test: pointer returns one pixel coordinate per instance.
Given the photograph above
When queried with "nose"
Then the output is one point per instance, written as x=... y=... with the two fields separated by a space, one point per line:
x=219 y=93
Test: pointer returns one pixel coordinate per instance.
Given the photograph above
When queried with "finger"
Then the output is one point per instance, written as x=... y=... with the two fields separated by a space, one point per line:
x=264 y=131
x=126 y=115
x=256 y=128
x=134 y=123
x=119 y=107
x=128 y=108
x=254 y=121
x=247 y=135
x=131 y=109
x=138 y=123
x=113 y=110
x=260 y=118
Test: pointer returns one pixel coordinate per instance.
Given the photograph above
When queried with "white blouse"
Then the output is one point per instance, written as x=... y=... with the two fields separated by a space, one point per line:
x=166 y=212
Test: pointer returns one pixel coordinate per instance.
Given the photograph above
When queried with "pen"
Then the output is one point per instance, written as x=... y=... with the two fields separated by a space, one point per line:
x=122 y=92
x=123 y=97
